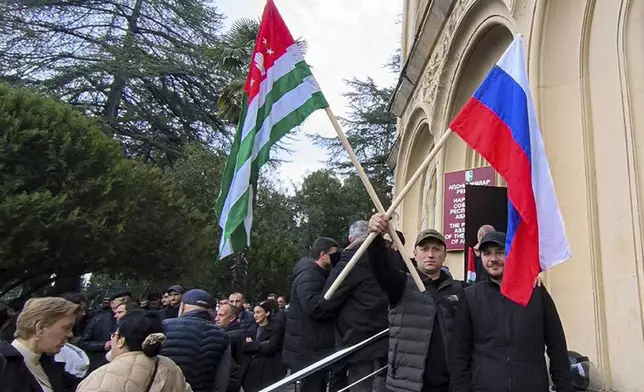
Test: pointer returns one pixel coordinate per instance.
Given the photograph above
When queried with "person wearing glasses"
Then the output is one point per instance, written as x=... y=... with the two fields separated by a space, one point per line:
x=136 y=363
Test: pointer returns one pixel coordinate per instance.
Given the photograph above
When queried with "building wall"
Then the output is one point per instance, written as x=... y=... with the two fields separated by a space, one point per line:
x=585 y=65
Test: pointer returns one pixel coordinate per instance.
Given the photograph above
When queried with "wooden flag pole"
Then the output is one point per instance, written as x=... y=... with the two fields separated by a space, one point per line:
x=410 y=184
x=374 y=198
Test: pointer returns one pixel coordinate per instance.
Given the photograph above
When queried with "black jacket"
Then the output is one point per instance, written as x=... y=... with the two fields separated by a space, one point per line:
x=245 y=319
x=236 y=337
x=16 y=377
x=263 y=355
x=168 y=312
x=198 y=346
x=309 y=326
x=498 y=345
x=362 y=307
x=96 y=334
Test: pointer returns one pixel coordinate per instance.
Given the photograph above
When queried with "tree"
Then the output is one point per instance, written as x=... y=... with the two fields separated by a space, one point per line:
x=266 y=265
x=233 y=54
x=140 y=66
x=274 y=248
x=71 y=204
x=326 y=206
x=371 y=131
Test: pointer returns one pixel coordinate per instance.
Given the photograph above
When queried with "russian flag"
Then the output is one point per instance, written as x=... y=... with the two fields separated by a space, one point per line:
x=471 y=267
x=500 y=123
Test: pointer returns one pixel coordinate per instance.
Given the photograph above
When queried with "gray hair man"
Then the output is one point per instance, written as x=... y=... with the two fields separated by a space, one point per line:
x=362 y=309
x=359 y=230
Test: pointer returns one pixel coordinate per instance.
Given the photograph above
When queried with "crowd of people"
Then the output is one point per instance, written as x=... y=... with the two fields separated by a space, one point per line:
x=180 y=341
x=451 y=337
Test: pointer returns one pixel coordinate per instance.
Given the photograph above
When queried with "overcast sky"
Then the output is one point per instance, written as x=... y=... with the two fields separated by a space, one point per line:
x=346 y=39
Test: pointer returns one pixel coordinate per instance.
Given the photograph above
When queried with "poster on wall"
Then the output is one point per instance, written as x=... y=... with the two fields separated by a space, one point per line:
x=454 y=202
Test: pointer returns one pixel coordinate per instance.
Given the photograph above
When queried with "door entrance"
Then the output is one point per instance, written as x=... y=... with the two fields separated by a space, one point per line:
x=484 y=205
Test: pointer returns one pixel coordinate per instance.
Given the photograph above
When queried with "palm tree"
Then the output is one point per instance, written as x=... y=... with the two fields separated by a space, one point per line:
x=233 y=54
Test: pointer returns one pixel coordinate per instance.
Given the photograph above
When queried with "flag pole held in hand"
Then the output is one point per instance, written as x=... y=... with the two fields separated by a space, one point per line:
x=397 y=201
x=374 y=197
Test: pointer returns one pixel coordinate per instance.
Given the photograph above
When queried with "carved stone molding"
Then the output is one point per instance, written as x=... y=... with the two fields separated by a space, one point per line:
x=432 y=76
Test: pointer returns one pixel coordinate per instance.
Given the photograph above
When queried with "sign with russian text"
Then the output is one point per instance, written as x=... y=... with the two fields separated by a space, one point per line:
x=454 y=202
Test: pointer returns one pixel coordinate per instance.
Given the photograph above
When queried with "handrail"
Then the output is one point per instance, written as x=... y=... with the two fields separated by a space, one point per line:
x=324 y=362
x=368 y=376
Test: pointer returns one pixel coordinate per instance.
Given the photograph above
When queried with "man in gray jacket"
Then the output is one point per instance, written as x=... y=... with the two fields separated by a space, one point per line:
x=420 y=324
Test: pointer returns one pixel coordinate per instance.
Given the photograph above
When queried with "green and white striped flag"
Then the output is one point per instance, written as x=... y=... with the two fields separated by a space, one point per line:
x=280 y=93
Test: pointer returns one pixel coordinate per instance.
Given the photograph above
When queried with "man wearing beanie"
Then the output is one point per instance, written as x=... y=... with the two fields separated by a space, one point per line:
x=197 y=345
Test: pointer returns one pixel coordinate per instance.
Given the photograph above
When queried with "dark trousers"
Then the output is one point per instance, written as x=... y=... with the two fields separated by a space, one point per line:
x=316 y=382
x=360 y=370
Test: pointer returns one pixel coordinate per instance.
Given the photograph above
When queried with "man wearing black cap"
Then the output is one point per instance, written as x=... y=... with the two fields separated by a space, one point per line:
x=174 y=299
x=420 y=324
x=498 y=345
x=198 y=346
x=96 y=337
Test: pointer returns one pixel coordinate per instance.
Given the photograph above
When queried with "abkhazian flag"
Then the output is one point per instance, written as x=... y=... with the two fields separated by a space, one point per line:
x=500 y=123
x=279 y=94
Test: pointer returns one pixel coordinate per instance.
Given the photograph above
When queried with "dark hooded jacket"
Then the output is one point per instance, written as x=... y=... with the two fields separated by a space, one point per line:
x=96 y=334
x=309 y=326
x=362 y=307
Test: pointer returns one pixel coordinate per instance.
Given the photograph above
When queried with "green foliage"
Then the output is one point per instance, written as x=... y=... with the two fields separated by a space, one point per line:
x=267 y=264
x=326 y=206
x=71 y=204
x=140 y=66
x=371 y=131
x=274 y=248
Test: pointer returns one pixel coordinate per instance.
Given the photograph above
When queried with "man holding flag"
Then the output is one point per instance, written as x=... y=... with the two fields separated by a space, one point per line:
x=503 y=324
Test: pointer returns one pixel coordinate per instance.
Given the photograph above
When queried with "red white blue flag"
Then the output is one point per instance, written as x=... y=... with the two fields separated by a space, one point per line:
x=471 y=266
x=500 y=123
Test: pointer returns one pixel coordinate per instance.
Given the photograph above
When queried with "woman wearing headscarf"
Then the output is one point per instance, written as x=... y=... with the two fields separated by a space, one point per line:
x=42 y=329
x=263 y=350
x=136 y=365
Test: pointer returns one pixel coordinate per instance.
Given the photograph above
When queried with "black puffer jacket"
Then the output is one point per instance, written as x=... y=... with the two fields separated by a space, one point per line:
x=498 y=345
x=362 y=307
x=16 y=377
x=197 y=345
x=309 y=325
x=96 y=334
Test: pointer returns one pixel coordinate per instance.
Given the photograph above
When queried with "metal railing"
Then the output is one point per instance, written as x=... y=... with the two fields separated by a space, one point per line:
x=327 y=361
x=368 y=376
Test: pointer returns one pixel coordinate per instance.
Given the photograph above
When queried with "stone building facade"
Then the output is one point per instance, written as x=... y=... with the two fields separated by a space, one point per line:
x=585 y=61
